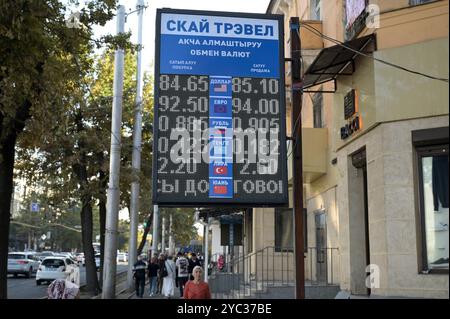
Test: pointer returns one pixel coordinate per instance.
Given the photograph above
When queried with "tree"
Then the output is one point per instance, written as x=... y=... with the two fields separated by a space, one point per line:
x=42 y=61
x=183 y=224
x=78 y=149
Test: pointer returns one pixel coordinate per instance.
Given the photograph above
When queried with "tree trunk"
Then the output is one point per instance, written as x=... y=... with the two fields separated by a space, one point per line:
x=92 y=284
x=10 y=128
x=144 y=237
x=102 y=212
x=6 y=188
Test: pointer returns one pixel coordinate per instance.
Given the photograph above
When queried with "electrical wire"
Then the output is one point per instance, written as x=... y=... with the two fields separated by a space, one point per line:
x=317 y=32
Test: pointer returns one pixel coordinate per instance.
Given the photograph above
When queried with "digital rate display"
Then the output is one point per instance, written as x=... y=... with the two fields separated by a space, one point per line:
x=219 y=128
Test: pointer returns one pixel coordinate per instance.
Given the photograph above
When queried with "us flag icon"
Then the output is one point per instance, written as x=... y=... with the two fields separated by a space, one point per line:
x=220 y=88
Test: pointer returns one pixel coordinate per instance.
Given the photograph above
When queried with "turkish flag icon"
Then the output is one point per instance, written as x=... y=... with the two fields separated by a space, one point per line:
x=220 y=189
x=221 y=170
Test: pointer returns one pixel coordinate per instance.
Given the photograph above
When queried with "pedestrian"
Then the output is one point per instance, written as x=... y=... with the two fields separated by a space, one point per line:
x=161 y=270
x=197 y=288
x=182 y=271
x=139 y=276
x=63 y=289
x=153 y=276
x=192 y=263
x=200 y=259
x=169 y=280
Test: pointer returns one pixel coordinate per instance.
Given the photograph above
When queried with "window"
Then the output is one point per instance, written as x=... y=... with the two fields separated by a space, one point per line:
x=225 y=234
x=315 y=10
x=16 y=256
x=355 y=17
x=416 y=2
x=432 y=165
x=317 y=110
x=284 y=229
x=53 y=263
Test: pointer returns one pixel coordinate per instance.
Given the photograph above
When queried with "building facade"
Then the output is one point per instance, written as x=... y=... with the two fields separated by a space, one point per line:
x=375 y=148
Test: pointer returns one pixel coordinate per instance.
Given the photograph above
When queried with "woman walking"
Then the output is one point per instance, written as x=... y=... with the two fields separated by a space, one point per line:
x=197 y=288
x=169 y=280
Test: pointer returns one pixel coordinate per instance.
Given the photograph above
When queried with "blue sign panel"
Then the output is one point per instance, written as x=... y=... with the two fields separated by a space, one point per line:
x=195 y=44
x=34 y=207
x=219 y=116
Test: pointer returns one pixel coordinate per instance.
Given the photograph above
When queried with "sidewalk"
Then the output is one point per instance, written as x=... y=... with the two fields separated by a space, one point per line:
x=132 y=295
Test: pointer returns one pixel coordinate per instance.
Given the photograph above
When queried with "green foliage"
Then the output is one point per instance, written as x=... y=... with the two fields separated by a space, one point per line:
x=183 y=224
x=49 y=218
x=82 y=135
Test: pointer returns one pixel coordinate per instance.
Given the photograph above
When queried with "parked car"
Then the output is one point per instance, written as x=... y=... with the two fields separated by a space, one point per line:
x=80 y=258
x=55 y=267
x=122 y=257
x=25 y=263
x=67 y=255
x=97 y=261
x=45 y=254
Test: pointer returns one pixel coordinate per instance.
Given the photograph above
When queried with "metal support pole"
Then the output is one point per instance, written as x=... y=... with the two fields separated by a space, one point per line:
x=231 y=252
x=297 y=162
x=136 y=156
x=155 y=235
x=163 y=235
x=112 y=205
x=206 y=255
x=171 y=239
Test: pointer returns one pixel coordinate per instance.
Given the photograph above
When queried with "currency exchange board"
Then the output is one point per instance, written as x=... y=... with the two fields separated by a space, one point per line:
x=219 y=116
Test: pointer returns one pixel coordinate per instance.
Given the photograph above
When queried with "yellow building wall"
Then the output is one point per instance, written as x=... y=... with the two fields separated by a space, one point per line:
x=402 y=95
x=411 y=25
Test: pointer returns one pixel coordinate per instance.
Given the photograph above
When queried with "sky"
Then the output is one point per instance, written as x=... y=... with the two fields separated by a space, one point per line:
x=148 y=33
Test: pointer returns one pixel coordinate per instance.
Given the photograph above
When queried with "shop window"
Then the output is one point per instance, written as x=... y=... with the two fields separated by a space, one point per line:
x=433 y=185
x=284 y=229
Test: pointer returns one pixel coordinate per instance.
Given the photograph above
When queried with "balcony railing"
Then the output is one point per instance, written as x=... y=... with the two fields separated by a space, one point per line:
x=271 y=267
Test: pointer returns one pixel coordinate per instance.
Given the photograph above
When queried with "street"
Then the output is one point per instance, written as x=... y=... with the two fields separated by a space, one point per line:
x=25 y=288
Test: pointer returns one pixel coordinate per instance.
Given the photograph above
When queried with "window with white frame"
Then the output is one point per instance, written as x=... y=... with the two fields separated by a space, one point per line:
x=315 y=9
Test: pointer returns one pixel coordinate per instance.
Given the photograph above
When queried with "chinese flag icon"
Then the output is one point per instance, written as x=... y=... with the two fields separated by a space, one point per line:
x=220 y=189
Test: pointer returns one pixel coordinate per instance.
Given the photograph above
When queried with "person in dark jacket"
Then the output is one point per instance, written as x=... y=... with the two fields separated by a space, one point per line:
x=139 y=276
x=153 y=268
x=194 y=261
x=162 y=267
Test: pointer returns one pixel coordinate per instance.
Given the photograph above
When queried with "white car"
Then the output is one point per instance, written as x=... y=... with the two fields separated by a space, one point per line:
x=80 y=258
x=25 y=263
x=97 y=261
x=122 y=257
x=52 y=268
x=45 y=254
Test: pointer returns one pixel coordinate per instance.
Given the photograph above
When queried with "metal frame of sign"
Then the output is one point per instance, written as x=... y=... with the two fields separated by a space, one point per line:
x=223 y=202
